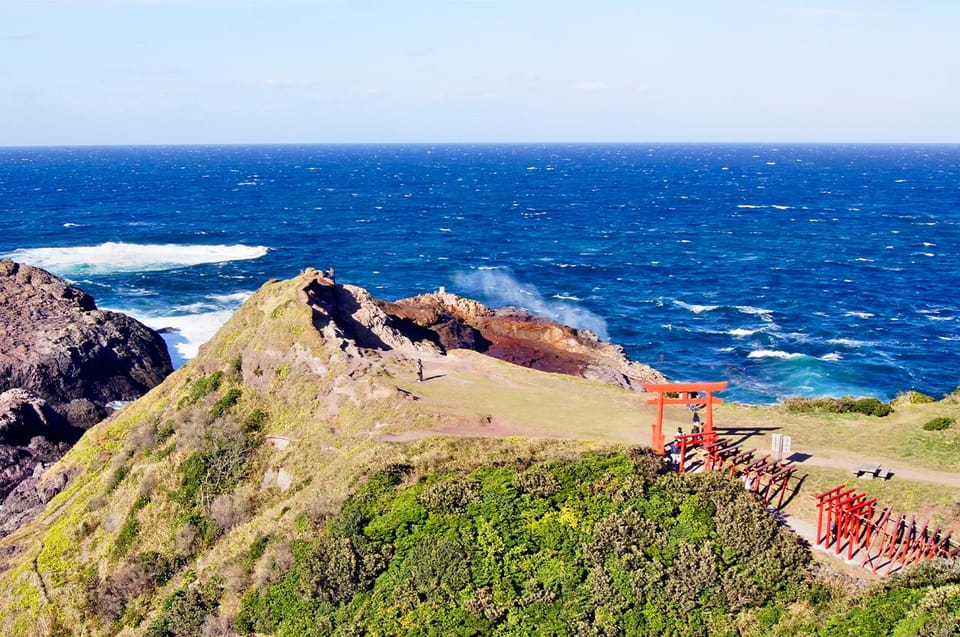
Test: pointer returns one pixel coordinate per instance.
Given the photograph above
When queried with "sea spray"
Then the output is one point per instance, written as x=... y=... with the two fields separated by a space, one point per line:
x=499 y=288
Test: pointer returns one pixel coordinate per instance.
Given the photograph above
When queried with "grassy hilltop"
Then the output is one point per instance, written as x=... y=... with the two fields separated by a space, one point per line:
x=290 y=481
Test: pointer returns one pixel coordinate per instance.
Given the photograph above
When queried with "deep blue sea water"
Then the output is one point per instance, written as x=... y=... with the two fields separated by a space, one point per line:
x=787 y=270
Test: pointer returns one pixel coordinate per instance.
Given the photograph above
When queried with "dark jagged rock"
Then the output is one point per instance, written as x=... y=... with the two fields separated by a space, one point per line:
x=55 y=342
x=62 y=361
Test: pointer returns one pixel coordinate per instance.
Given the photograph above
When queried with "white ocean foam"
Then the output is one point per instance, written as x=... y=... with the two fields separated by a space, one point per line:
x=774 y=353
x=832 y=356
x=849 y=342
x=782 y=207
x=114 y=257
x=191 y=331
x=749 y=206
x=500 y=288
x=741 y=332
x=71 y=225
x=862 y=315
x=235 y=299
x=757 y=311
x=696 y=309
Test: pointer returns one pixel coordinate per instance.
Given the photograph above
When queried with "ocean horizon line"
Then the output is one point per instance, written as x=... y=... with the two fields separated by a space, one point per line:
x=454 y=144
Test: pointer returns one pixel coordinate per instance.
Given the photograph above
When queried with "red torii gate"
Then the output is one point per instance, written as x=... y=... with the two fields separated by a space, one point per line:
x=683 y=391
x=894 y=541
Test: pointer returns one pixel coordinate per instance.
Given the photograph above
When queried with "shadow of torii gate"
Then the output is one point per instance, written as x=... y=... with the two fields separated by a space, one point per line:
x=684 y=397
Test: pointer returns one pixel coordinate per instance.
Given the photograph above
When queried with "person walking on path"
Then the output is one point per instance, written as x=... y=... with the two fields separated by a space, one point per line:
x=419 y=371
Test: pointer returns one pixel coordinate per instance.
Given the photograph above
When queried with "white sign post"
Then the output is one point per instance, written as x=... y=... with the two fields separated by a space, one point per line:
x=780 y=444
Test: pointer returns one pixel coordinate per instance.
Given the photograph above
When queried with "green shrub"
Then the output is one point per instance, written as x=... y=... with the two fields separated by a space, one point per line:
x=164 y=431
x=873 y=407
x=126 y=536
x=117 y=477
x=223 y=462
x=452 y=496
x=938 y=424
x=913 y=397
x=255 y=422
x=184 y=611
x=227 y=401
x=845 y=405
x=538 y=481
x=200 y=388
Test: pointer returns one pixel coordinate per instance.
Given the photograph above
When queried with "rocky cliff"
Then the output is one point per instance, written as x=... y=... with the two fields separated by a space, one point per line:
x=62 y=361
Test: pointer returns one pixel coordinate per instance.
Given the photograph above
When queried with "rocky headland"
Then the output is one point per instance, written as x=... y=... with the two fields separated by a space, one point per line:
x=297 y=471
x=62 y=361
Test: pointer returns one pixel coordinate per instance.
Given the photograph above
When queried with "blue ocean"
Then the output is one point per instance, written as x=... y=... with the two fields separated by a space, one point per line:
x=789 y=270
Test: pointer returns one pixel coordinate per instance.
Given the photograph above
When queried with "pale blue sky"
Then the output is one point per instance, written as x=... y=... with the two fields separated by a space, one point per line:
x=299 y=71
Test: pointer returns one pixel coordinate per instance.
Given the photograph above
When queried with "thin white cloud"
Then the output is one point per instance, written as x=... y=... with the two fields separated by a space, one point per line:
x=590 y=86
x=822 y=12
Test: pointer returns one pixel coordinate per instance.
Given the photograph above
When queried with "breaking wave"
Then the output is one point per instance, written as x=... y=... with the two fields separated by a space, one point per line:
x=774 y=353
x=114 y=257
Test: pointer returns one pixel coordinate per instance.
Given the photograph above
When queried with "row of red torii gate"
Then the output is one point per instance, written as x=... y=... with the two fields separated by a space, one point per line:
x=846 y=518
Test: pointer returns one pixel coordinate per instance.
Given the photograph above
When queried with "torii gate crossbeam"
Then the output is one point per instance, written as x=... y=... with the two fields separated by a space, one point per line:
x=683 y=391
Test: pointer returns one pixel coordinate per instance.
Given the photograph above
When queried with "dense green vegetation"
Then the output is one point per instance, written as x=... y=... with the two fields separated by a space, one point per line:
x=845 y=405
x=599 y=545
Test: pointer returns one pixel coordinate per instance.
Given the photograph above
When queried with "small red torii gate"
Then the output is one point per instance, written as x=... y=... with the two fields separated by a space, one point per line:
x=683 y=391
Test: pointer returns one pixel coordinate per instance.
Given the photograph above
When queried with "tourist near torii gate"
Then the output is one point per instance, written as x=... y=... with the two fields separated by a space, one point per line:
x=687 y=394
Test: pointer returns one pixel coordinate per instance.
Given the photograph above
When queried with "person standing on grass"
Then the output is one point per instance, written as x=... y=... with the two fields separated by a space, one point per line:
x=419 y=371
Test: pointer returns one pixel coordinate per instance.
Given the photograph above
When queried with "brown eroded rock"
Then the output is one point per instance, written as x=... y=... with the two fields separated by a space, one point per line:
x=521 y=338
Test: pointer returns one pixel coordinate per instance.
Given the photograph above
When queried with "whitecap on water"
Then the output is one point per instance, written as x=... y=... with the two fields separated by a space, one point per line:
x=696 y=309
x=112 y=257
x=774 y=353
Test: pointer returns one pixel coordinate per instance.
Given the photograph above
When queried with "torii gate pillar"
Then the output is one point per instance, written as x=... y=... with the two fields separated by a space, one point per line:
x=683 y=391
